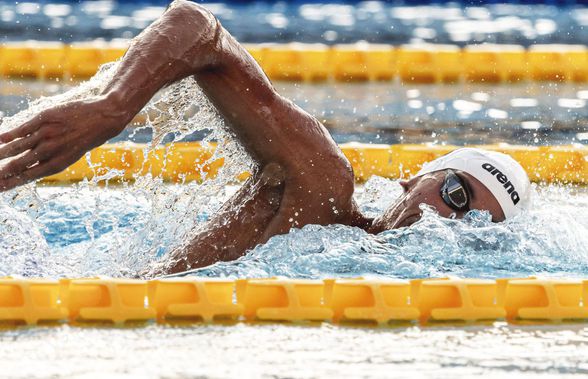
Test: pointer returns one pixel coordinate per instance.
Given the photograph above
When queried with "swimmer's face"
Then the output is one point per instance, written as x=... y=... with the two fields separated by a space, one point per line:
x=426 y=189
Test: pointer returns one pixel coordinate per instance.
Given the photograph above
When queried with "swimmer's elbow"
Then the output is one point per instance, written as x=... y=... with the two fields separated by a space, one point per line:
x=196 y=30
x=194 y=14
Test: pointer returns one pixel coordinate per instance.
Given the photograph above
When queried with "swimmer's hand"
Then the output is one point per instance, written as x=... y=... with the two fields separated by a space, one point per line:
x=56 y=138
x=184 y=41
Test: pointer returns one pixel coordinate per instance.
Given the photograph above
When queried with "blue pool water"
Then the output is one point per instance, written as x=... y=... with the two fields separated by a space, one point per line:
x=89 y=231
x=526 y=113
x=395 y=22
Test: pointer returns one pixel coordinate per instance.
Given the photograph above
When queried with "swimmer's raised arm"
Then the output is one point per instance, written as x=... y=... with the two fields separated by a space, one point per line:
x=177 y=45
x=186 y=40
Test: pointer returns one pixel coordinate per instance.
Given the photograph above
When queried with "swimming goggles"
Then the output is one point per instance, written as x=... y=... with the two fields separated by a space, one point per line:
x=455 y=192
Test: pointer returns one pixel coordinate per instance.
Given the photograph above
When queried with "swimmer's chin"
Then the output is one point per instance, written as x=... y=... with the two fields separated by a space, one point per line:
x=381 y=225
x=407 y=221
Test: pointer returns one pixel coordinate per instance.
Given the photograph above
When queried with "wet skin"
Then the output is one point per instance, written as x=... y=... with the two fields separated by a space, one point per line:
x=301 y=177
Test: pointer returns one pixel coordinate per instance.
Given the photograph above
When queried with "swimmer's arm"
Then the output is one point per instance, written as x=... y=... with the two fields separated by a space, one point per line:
x=191 y=41
x=186 y=40
x=181 y=43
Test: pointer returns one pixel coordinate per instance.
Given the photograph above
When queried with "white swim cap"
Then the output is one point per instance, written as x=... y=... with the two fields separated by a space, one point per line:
x=503 y=176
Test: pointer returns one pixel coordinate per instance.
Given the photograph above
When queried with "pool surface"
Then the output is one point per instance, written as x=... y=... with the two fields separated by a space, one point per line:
x=525 y=113
x=85 y=231
x=395 y=22
x=281 y=351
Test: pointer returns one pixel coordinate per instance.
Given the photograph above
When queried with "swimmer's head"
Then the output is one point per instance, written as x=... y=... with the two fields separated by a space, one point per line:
x=460 y=181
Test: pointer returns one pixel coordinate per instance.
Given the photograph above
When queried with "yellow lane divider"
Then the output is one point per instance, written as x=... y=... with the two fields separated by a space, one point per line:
x=375 y=301
x=318 y=62
x=35 y=59
x=190 y=161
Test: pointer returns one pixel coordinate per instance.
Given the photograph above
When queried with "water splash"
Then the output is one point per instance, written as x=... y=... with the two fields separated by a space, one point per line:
x=87 y=230
x=90 y=231
x=84 y=90
x=551 y=239
x=118 y=231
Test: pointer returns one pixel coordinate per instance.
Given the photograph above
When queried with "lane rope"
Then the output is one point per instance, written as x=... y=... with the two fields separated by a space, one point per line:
x=187 y=161
x=357 y=300
x=425 y=63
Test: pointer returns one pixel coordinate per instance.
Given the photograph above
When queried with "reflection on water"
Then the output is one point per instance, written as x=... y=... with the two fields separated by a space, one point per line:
x=282 y=351
x=372 y=21
x=526 y=113
x=85 y=231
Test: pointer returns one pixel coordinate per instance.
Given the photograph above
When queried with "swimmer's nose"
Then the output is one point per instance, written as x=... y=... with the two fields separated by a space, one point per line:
x=404 y=184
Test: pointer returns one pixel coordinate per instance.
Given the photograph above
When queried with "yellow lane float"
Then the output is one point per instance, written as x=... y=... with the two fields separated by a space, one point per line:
x=183 y=298
x=105 y=300
x=378 y=301
x=424 y=63
x=188 y=161
x=373 y=301
x=30 y=301
x=276 y=299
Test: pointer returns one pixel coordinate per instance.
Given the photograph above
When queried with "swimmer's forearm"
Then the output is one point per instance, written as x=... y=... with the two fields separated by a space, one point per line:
x=181 y=43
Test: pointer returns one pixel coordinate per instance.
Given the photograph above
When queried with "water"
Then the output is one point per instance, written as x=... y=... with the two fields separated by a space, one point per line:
x=88 y=231
x=372 y=21
x=280 y=351
x=391 y=113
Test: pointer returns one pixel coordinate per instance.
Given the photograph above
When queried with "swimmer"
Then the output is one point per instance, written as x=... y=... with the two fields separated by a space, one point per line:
x=301 y=176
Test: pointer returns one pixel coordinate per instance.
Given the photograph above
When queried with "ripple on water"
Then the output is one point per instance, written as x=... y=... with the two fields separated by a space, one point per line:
x=292 y=351
x=114 y=232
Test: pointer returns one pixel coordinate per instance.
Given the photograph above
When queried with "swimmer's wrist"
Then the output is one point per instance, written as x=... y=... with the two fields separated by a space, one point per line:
x=117 y=106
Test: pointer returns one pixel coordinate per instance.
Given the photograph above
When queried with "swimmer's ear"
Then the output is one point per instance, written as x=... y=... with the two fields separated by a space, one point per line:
x=404 y=184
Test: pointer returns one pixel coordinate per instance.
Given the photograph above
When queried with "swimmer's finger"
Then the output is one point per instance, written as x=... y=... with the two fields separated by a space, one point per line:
x=17 y=166
x=21 y=131
x=40 y=170
x=20 y=145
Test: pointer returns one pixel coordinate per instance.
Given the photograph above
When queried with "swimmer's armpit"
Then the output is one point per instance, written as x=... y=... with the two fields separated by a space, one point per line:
x=181 y=43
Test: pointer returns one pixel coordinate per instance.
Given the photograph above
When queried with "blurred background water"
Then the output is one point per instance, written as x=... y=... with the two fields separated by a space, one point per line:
x=394 y=22
x=472 y=113
x=527 y=113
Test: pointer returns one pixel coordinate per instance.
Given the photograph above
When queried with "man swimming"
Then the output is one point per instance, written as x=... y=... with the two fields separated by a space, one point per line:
x=301 y=176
